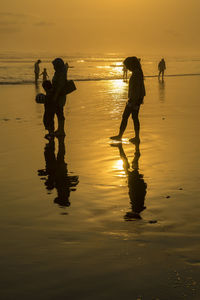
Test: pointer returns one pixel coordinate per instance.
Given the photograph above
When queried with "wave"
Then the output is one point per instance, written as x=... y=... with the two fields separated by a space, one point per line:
x=17 y=82
x=27 y=82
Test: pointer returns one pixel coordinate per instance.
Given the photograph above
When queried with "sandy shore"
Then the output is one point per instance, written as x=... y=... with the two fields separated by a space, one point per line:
x=85 y=248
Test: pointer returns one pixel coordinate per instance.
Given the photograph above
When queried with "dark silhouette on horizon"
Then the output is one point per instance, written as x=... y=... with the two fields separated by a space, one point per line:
x=37 y=70
x=56 y=172
x=161 y=68
x=136 y=95
x=136 y=184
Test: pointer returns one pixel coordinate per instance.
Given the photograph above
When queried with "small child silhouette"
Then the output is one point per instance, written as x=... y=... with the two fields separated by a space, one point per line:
x=44 y=75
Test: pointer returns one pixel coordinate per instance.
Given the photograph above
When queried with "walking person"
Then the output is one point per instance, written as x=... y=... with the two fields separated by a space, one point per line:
x=136 y=93
x=37 y=70
x=161 y=68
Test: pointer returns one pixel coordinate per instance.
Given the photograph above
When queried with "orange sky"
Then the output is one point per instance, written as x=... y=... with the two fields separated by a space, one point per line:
x=146 y=26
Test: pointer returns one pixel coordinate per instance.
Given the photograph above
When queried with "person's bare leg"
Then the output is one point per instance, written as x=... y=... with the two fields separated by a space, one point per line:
x=136 y=123
x=123 y=124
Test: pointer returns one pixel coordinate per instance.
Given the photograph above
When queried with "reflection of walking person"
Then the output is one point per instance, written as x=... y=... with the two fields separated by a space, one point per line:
x=57 y=173
x=37 y=70
x=136 y=94
x=161 y=68
x=137 y=186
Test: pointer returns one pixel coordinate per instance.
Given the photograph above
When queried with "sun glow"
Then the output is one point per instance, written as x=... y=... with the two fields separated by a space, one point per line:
x=118 y=167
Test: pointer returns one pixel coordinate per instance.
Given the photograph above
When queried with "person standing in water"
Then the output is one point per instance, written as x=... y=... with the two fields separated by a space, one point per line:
x=161 y=68
x=136 y=93
x=37 y=70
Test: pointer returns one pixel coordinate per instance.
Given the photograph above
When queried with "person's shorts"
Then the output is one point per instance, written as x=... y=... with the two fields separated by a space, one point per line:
x=133 y=106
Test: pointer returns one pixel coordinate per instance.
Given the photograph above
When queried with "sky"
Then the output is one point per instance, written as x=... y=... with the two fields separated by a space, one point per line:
x=93 y=26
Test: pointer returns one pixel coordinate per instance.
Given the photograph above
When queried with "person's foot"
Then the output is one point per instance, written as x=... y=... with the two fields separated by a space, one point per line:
x=134 y=140
x=116 y=138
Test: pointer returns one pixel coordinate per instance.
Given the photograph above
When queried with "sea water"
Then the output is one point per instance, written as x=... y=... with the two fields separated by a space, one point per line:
x=18 y=68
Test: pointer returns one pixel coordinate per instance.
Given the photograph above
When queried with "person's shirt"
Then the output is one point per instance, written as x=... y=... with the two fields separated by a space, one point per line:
x=136 y=90
x=161 y=65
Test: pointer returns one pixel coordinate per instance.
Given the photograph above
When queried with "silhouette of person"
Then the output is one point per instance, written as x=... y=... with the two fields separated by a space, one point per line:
x=59 y=98
x=136 y=95
x=57 y=173
x=44 y=75
x=125 y=73
x=161 y=68
x=37 y=70
x=136 y=184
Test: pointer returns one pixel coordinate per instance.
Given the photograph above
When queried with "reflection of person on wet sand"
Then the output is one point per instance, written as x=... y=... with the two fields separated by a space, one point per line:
x=137 y=186
x=162 y=89
x=57 y=173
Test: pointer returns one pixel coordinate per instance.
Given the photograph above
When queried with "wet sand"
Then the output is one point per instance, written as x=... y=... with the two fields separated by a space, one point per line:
x=85 y=247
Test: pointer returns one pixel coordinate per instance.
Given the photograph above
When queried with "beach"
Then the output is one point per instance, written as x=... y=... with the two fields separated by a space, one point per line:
x=86 y=248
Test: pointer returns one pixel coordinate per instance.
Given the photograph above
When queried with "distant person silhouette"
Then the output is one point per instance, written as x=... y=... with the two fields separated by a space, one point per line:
x=59 y=98
x=125 y=73
x=37 y=70
x=44 y=75
x=136 y=95
x=56 y=172
x=161 y=68
x=137 y=186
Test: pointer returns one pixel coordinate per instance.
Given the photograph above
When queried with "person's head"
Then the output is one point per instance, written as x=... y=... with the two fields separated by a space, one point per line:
x=47 y=85
x=39 y=61
x=58 y=64
x=132 y=63
x=45 y=69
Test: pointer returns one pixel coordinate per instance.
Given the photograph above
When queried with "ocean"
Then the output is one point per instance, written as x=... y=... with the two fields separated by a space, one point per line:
x=17 y=68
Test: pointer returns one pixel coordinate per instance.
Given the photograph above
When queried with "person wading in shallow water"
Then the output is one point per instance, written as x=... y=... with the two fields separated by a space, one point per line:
x=37 y=70
x=161 y=68
x=136 y=95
